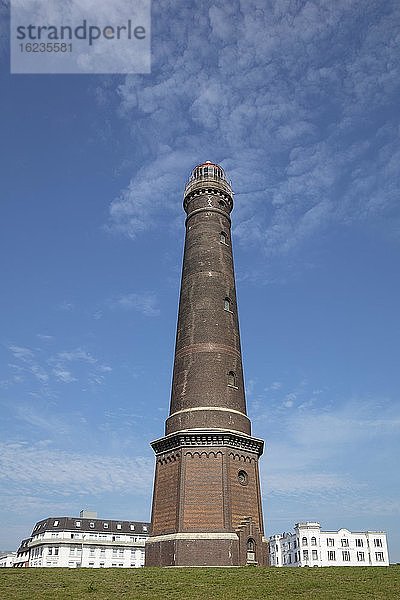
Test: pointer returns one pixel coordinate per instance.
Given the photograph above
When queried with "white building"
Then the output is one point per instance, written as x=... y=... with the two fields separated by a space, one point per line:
x=84 y=542
x=7 y=559
x=308 y=546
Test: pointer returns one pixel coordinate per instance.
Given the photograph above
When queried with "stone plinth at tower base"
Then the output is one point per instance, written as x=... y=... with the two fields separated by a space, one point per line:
x=209 y=549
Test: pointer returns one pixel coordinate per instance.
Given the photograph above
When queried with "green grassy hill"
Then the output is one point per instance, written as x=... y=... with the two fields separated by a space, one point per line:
x=248 y=583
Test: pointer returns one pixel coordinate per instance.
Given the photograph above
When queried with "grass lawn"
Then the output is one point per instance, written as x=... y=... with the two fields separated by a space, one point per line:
x=248 y=583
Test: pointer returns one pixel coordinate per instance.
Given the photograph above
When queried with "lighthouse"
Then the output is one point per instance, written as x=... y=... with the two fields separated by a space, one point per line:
x=206 y=507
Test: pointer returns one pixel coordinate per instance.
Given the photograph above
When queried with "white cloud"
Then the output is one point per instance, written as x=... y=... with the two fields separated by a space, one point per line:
x=57 y=367
x=277 y=95
x=43 y=420
x=28 y=363
x=319 y=454
x=44 y=337
x=145 y=303
x=63 y=375
x=78 y=354
x=66 y=306
x=35 y=469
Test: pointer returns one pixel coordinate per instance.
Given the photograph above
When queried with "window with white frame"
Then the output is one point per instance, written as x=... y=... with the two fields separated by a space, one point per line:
x=313 y=541
x=304 y=541
x=360 y=556
x=330 y=542
x=331 y=555
x=345 y=555
x=378 y=543
x=305 y=554
x=359 y=543
x=344 y=542
x=379 y=556
x=314 y=555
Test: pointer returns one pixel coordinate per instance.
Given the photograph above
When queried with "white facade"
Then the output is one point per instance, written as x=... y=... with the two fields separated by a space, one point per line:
x=87 y=542
x=308 y=546
x=7 y=559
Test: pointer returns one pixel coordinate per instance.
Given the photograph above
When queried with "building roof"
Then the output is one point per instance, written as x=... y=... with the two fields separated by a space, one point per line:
x=83 y=524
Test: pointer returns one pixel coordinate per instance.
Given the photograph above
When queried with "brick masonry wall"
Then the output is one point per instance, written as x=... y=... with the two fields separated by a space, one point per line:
x=166 y=494
x=203 y=502
x=208 y=339
x=244 y=498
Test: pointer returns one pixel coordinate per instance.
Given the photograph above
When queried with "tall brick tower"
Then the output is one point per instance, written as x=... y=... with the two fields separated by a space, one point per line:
x=207 y=500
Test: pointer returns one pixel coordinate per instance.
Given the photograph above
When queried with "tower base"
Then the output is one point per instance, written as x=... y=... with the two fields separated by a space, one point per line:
x=192 y=550
x=208 y=549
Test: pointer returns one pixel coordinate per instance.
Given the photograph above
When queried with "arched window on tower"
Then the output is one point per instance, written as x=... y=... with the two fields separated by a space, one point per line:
x=313 y=541
x=304 y=541
x=227 y=304
x=223 y=238
x=251 y=550
x=232 y=379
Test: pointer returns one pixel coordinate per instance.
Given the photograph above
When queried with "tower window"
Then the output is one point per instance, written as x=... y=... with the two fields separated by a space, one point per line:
x=243 y=477
x=251 y=551
x=223 y=238
x=251 y=545
x=232 y=379
x=227 y=305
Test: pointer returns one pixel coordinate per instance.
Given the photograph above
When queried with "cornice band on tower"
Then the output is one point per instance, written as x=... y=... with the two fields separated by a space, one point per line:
x=185 y=439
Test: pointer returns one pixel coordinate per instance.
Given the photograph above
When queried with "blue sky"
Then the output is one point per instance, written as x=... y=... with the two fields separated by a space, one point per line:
x=299 y=102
